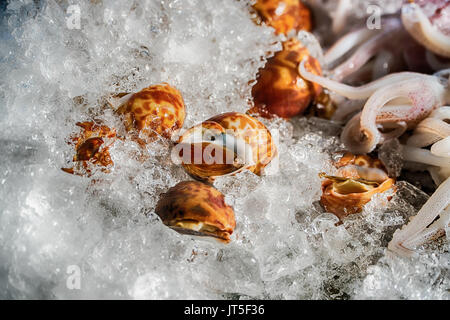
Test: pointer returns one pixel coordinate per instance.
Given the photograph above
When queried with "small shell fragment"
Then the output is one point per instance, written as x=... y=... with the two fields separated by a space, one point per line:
x=92 y=148
x=358 y=179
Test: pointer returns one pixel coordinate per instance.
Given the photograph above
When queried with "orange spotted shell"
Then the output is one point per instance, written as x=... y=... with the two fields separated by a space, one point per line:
x=358 y=179
x=242 y=127
x=91 y=148
x=284 y=15
x=192 y=207
x=156 y=110
x=279 y=88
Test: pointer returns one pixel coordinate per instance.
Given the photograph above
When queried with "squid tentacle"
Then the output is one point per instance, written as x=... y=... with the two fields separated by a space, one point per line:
x=340 y=15
x=415 y=232
x=368 y=50
x=435 y=230
x=432 y=129
x=441 y=148
x=425 y=96
x=347 y=43
x=420 y=27
x=361 y=92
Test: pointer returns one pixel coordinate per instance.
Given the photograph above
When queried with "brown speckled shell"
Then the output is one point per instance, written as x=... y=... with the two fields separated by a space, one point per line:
x=284 y=15
x=197 y=201
x=158 y=109
x=343 y=205
x=359 y=160
x=279 y=88
x=254 y=133
x=90 y=148
x=246 y=127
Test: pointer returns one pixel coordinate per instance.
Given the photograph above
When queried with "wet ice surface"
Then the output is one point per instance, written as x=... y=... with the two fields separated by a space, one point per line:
x=284 y=245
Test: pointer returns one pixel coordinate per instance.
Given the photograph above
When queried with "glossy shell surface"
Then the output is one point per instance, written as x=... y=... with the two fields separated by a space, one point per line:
x=279 y=88
x=284 y=15
x=193 y=207
x=244 y=127
x=156 y=110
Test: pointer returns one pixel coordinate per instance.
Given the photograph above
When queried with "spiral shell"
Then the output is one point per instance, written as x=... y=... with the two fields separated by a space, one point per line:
x=195 y=208
x=91 y=148
x=357 y=180
x=284 y=15
x=156 y=110
x=279 y=88
x=226 y=144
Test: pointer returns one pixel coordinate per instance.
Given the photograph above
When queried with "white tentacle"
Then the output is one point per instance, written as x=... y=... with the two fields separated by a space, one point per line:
x=415 y=232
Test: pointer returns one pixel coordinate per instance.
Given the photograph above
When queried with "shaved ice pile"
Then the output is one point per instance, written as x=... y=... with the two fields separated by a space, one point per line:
x=284 y=247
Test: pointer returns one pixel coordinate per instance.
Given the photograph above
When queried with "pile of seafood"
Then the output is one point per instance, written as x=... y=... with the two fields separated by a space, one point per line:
x=364 y=81
x=225 y=149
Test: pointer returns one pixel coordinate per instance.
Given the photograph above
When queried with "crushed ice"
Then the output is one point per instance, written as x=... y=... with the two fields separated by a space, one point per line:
x=284 y=245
